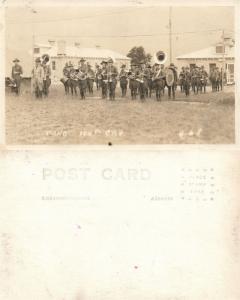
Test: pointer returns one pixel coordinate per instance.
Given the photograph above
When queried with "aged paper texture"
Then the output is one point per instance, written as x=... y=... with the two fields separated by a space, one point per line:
x=108 y=193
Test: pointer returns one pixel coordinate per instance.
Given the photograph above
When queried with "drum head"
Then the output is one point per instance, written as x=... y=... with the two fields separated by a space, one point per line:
x=169 y=77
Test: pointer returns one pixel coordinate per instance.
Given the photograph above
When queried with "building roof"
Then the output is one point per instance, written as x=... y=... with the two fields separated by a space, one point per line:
x=73 y=51
x=209 y=52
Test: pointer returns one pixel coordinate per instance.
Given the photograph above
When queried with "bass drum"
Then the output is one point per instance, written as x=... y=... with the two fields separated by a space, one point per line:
x=169 y=77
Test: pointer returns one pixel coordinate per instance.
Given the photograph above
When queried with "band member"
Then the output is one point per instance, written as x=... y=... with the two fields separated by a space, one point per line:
x=73 y=79
x=104 y=79
x=218 y=79
x=112 y=74
x=123 y=77
x=195 y=79
x=98 y=76
x=172 y=89
x=181 y=79
x=187 y=81
x=47 y=76
x=150 y=82
x=142 y=81
x=37 y=78
x=203 y=78
x=90 y=78
x=82 y=76
x=17 y=72
x=66 y=78
x=158 y=78
x=146 y=75
x=133 y=83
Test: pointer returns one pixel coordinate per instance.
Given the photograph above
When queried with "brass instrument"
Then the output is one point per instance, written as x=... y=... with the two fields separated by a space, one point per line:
x=157 y=75
x=160 y=57
x=140 y=78
x=81 y=75
x=131 y=75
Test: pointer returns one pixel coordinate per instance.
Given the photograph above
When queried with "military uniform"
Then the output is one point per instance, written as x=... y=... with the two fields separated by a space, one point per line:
x=46 y=79
x=150 y=82
x=82 y=76
x=195 y=79
x=37 y=78
x=17 y=72
x=133 y=83
x=172 y=89
x=90 y=79
x=66 y=78
x=187 y=81
x=141 y=77
x=104 y=79
x=73 y=79
x=98 y=77
x=158 y=78
x=181 y=79
x=112 y=74
x=123 y=77
x=204 y=76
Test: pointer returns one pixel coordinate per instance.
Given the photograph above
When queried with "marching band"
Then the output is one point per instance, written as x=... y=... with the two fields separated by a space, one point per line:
x=142 y=79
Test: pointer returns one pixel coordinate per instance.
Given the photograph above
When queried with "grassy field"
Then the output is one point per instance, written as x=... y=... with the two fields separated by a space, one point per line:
x=199 y=119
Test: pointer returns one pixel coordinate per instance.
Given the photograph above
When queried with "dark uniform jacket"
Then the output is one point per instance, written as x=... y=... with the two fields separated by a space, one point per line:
x=17 y=71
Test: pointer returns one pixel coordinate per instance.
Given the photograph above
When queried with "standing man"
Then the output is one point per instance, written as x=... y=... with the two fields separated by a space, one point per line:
x=47 y=77
x=98 y=76
x=181 y=79
x=37 y=78
x=172 y=89
x=159 y=77
x=82 y=76
x=133 y=83
x=141 y=81
x=104 y=79
x=112 y=74
x=187 y=81
x=204 y=77
x=90 y=79
x=17 y=72
x=66 y=78
x=123 y=80
x=150 y=82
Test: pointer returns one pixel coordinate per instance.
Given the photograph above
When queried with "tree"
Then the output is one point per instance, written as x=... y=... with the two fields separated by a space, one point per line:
x=138 y=54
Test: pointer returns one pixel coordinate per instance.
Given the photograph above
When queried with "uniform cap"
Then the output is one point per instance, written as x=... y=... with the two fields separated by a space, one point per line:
x=16 y=60
x=38 y=59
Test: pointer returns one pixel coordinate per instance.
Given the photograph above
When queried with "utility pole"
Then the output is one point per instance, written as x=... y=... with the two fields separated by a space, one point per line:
x=170 y=33
x=223 y=58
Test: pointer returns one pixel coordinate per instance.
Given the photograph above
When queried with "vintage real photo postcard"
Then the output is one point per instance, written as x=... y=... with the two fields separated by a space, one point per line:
x=120 y=223
x=126 y=74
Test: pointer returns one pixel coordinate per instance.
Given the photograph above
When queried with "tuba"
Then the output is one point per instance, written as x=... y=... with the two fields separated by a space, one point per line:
x=160 y=57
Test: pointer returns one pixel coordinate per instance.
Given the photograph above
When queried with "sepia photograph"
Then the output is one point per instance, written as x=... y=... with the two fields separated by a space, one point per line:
x=126 y=75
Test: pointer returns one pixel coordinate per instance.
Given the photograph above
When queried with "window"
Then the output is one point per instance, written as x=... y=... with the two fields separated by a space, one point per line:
x=219 y=49
x=36 y=50
x=53 y=65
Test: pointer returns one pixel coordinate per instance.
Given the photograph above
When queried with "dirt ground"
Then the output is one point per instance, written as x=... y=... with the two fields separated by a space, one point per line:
x=199 y=119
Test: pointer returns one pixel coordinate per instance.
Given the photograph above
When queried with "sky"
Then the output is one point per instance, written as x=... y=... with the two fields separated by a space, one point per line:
x=116 y=28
